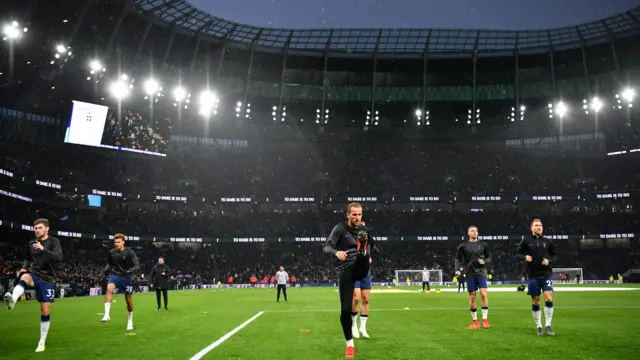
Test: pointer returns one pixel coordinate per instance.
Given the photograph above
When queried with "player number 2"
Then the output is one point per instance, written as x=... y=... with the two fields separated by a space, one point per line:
x=50 y=293
x=549 y=283
x=129 y=289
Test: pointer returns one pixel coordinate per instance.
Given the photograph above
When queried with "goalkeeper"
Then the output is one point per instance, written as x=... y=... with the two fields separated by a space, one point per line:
x=350 y=244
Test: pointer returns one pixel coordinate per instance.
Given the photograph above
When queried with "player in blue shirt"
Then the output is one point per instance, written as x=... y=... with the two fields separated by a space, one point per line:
x=538 y=252
x=122 y=264
x=39 y=272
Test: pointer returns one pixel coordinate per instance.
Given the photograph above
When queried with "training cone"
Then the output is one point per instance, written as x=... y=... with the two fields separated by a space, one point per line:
x=437 y=291
x=428 y=291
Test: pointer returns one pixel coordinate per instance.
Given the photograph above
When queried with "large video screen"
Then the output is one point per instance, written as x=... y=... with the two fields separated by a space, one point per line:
x=102 y=126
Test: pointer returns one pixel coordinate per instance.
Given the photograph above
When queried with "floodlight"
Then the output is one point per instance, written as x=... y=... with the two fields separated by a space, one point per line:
x=119 y=89
x=151 y=86
x=179 y=93
x=629 y=94
x=61 y=48
x=561 y=109
x=596 y=104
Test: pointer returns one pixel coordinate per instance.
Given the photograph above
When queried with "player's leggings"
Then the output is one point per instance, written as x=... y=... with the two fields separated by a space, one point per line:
x=346 y=282
x=164 y=295
x=462 y=284
x=282 y=287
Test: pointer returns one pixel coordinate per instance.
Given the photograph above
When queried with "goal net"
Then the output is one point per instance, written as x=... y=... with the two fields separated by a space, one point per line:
x=571 y=275
x=416 y=277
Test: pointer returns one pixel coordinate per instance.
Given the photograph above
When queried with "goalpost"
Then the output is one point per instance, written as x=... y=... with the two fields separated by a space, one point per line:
x=572 y=273
x=434 y=277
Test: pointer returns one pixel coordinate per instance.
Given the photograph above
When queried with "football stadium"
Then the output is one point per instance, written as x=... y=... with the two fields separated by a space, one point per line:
x=176 y=185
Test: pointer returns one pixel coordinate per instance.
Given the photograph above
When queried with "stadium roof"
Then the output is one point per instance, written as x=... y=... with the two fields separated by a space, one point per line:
x=183 y=14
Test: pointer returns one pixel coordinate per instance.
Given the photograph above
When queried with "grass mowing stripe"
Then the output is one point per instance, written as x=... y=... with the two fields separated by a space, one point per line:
x=465 y=308
x=214 y=345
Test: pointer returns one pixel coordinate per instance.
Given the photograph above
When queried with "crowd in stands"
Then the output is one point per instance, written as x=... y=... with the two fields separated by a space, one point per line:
x=324 y=169
x=135 y=131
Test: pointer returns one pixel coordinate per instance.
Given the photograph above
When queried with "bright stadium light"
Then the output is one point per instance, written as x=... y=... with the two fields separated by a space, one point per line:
x=95 y=65
x=179 y=93
x=61 y=49
x=418 y=113
x=207 y=102
x=628 y=95
x=596 y=104
x=151 y=87
x=119 y=89
x=561 y=109
x=11 y=31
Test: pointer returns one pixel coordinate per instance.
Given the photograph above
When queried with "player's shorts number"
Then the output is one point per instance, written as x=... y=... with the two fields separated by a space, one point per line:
x=549 y=283
x=129 y=289
x=50 y=294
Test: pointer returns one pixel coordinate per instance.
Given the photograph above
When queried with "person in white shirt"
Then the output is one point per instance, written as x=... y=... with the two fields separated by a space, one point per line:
x=282 y=278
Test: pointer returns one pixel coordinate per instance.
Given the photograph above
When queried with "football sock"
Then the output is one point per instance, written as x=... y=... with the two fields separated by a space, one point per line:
x=354 y=317
x=537 y=315
x=18 y=291
x=130 y=315
x=44 y=328
x=107 y=308
x=363 y=321
x=485 y=312
x=548 y=312
x=350 y=343
x=474 y=314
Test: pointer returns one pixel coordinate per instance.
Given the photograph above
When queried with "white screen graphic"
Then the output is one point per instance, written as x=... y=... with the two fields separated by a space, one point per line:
x=87 y=124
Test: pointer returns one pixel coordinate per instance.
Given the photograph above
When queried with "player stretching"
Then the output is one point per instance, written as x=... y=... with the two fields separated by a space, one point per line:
x=38 y=272
x=282 y=279
x=122 y=264
x=473 y=255
x=538 y=251
x=361 y=292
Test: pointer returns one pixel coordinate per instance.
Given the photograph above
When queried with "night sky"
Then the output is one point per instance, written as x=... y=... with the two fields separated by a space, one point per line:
x=467 y=14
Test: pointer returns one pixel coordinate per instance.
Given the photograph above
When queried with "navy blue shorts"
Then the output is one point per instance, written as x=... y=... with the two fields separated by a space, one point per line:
x=476 y=282
x=45 y=292
x=538 y=284
x=123 y=285
x=364 y=284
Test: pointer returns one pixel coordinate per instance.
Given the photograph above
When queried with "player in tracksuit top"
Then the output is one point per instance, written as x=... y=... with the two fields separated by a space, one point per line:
x=538 y=252
x=350 y=245
x=39 y=272
x=122 y=264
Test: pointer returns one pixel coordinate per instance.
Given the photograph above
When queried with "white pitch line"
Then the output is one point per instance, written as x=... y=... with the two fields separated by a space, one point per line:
x=464 y=308
x=217 y=343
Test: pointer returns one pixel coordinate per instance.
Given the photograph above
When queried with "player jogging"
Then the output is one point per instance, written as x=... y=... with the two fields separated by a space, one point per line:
x=350 y=244
x=538 y=252
x=282 y=278
x=473 y=256
x=38 y=271
x=361 y=292
x=159 y=280
x=122 y=263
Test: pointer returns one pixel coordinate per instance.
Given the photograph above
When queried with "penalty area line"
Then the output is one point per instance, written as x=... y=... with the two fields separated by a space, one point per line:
x=224 y=338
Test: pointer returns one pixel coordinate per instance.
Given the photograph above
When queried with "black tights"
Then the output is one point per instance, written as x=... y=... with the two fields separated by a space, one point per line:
x=346 y=282
x=164 y=295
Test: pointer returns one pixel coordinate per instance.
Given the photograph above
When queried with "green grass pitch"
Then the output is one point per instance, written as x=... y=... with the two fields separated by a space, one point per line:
x=588 y=325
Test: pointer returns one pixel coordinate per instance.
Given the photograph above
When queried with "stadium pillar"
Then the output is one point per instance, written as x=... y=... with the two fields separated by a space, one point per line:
x=553 y=71
x=517 y=78
x=166 y=52
x=425 y=62
x=224 y=50
x=612 y=40
x=144 y=38
x=125 y=11
x=473 y=95
x=247 y=83
x=285 y=52
x=195 y=53
x=584 y=62
x=74 y=31
x=324 y=76
x=373 y=75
